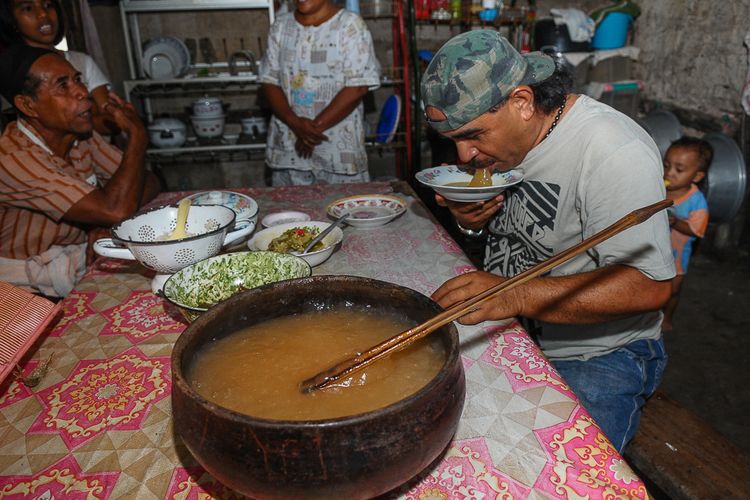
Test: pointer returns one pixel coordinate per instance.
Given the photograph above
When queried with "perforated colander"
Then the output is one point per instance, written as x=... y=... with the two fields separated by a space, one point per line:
x=143 y=237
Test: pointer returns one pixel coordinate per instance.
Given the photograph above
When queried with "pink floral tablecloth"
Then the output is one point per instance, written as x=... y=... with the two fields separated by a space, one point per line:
x=99 y=423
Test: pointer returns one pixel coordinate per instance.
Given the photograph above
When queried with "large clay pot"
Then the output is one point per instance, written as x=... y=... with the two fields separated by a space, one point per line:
x=358 y=456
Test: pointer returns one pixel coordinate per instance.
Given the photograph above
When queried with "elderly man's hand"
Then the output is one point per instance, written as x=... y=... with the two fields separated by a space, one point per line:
x=125 y=117
x=474 y=215
x=461 y=288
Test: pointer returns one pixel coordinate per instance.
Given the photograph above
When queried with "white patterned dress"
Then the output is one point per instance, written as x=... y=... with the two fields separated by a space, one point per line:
x=312 y=64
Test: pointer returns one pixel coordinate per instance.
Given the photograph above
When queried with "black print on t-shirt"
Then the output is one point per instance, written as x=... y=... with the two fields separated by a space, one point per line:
x=517 y=233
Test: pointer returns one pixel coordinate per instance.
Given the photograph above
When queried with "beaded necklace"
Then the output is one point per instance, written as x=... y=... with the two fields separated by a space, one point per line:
x=557 y=119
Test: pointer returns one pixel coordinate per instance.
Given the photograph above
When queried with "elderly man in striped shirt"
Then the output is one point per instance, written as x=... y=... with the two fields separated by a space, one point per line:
x=59 y=180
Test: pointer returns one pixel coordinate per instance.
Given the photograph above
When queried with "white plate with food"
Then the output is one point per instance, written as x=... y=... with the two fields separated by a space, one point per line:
x=292 y=237
x=453 y=183
x=284 y=217
x=370 y=210
x=244 y=206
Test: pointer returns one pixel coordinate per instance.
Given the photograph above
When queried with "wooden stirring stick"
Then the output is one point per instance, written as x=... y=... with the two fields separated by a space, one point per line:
x=408 y=337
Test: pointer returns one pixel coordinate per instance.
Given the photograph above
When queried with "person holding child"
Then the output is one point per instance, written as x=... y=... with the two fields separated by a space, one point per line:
x=685 y=165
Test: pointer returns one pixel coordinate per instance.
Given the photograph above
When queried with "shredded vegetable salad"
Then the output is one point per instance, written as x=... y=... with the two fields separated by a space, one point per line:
x=211 y=281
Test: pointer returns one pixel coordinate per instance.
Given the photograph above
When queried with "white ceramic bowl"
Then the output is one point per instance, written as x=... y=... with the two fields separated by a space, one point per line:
x=277 y=218
x=140 y=237
x=366 y=211
x=262 y=239
x=438 y=177
x=208 y=128
x=197 y=287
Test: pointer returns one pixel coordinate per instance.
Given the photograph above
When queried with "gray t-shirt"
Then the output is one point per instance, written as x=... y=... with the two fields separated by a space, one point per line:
x=597 y=166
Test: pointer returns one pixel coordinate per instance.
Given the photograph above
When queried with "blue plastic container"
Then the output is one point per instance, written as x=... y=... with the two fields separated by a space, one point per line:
x=612 y=32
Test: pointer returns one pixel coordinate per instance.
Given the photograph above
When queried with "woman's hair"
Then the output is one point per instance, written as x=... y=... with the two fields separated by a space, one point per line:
x=9 y=34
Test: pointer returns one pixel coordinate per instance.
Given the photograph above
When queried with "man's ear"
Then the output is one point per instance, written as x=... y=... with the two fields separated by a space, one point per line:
x=26 y=105
x=522 y=99
x=699 y=175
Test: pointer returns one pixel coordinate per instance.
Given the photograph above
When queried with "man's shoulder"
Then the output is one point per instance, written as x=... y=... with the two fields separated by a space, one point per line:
x=12 y=141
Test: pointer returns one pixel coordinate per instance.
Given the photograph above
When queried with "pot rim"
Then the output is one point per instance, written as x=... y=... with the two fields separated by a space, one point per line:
x=179 y=380
x=127 y=242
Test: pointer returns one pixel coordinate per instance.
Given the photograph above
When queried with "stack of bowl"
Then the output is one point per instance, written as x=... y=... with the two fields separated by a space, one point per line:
x=208 y=117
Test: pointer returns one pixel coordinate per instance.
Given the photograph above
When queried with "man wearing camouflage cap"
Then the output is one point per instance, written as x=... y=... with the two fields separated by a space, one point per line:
x=585 y=165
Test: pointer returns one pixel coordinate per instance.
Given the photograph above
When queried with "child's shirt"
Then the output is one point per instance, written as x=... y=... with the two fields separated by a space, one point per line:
x=692 y=208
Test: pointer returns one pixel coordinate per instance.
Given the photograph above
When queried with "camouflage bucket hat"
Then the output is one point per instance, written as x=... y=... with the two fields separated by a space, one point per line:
x=473 y=72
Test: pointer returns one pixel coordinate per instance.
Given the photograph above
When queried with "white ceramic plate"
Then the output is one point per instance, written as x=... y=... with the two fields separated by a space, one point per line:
x=438 y=177
x=165 y=57
x=261 y=240
x=245 y=207
x=285 y=217
x=370 y=210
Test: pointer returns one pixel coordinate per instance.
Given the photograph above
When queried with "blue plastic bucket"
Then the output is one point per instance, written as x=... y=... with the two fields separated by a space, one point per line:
x=612 y=32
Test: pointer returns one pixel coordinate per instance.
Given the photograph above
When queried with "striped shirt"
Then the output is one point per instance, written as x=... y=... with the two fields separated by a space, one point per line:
x=37 y=188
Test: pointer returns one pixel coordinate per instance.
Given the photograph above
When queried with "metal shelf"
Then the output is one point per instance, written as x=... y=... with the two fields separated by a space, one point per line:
x=205 y=149
x=177 y=5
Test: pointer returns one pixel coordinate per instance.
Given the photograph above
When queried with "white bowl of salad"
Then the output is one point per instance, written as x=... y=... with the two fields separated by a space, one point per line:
x=204 y=284
x=292 y=237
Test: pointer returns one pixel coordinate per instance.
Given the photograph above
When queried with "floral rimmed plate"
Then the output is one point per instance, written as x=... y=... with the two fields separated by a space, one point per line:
x=370 y=210
x=444 y=180
x=245 y=207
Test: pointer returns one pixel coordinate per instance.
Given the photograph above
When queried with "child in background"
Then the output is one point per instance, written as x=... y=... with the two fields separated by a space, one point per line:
x=685 y=165
x=40 y=23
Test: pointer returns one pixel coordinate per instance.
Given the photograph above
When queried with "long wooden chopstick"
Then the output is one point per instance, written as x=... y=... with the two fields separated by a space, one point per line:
x=408 y=337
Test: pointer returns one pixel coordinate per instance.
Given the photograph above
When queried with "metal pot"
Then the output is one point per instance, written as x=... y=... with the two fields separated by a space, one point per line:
x=167 y=133
x=358 y=456
x=663 y=127
x=727 y=178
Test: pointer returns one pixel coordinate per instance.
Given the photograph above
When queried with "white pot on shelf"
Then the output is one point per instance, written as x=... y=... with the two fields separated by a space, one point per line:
x=208 y=127
x=208 y=107
x=167 y=133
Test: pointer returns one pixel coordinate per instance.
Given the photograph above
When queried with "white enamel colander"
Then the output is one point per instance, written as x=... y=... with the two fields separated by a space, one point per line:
x=141 y=237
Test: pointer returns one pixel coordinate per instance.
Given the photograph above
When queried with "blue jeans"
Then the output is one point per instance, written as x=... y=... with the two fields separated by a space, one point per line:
x=614 y=387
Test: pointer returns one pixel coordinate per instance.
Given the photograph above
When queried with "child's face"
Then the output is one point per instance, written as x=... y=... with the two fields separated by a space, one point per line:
x=681 y=168
x=37 y=21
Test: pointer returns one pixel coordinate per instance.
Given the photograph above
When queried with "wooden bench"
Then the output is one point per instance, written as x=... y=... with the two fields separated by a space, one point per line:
x=684 y=457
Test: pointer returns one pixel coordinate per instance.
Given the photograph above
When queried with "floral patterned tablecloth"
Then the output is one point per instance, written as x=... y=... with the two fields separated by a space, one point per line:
x=99 y=424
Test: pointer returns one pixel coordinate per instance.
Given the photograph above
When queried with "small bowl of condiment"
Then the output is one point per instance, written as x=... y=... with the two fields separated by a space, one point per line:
x=456 y=184
x=292 y=237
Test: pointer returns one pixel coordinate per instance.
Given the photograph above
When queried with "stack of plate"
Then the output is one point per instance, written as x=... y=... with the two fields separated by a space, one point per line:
x=165 y=58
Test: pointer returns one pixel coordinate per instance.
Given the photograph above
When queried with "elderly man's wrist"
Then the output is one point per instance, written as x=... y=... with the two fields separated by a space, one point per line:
x=472 y=233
